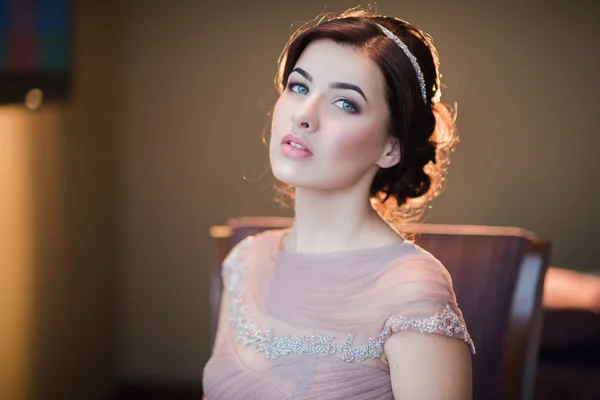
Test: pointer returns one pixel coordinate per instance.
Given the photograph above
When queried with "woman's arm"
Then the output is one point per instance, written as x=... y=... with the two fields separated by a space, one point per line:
x=429 y=367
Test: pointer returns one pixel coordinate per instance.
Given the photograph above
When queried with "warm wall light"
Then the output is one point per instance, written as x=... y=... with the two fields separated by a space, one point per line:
x=34 y=99
x=17 y=239
x=220 y=231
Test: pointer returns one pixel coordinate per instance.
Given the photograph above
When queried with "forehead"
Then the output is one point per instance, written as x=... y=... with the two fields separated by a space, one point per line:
x=328 y=61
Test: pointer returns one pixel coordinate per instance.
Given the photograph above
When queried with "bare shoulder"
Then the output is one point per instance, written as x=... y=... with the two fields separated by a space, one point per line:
x=428 y=366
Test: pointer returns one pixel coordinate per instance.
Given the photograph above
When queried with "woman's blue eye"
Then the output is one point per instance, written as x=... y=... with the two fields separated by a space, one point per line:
x=298 y=88
x=346 y=106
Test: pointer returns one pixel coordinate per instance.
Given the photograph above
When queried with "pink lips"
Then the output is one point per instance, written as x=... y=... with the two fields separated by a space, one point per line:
x=295 y=152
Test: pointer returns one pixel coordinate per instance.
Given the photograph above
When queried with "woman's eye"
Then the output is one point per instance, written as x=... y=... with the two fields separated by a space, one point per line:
x=298 y=88
x=346 y=106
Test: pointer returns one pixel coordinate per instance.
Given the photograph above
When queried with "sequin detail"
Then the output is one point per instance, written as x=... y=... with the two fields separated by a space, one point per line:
x=446 y=322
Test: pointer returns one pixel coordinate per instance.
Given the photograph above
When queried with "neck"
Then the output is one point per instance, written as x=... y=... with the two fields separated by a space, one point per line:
x=340 y=220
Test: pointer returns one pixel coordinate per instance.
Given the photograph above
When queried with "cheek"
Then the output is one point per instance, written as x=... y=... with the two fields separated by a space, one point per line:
x=357 y=142
x=282 y=116
x=281 y=111
x=277 y=119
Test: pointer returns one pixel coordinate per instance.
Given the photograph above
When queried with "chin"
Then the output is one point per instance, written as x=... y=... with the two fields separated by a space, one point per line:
x=286 y=173
x=303 y=179
x=294 y=175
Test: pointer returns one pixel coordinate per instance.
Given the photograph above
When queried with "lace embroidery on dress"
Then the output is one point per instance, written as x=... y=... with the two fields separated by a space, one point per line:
x=446 y=322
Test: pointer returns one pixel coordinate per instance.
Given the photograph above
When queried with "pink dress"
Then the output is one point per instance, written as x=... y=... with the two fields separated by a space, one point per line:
x=313 y=325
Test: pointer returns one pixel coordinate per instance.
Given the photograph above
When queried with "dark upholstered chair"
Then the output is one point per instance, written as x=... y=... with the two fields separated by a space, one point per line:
x=498 y=275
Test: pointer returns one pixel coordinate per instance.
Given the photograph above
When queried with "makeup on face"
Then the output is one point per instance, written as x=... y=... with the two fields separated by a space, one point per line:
x=295 y=147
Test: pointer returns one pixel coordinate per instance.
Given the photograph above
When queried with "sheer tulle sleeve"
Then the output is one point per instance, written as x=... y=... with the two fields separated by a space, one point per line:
x=419 y=296
x=233 y=273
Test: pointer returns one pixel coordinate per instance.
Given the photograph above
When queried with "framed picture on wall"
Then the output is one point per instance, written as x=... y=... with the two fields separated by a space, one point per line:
x=35 y=49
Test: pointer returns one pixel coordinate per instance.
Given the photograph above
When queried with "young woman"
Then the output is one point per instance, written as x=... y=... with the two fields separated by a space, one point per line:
x=341 y=306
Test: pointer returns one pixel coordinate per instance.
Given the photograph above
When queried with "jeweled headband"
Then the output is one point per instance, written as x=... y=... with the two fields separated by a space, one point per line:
x=411 y=57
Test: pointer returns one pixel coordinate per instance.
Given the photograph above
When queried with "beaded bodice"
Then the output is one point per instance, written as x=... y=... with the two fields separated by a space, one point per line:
x=314 y=325
x=446 y=322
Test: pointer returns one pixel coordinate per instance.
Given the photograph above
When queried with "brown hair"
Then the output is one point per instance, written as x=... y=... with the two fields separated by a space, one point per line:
x=425 y=130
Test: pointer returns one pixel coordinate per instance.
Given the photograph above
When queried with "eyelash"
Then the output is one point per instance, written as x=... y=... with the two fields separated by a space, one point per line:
x=356 y=110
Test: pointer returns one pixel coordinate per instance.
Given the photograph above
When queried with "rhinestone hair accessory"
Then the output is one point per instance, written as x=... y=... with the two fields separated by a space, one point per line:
x=411 y=57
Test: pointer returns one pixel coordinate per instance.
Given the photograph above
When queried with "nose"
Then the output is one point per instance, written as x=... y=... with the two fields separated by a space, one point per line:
x=306 y=117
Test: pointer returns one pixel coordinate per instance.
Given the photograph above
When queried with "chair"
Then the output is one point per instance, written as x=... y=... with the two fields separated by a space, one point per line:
x=498 y=275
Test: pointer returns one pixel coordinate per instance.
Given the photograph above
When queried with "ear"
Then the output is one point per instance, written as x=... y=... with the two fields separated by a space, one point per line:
x=391 y=153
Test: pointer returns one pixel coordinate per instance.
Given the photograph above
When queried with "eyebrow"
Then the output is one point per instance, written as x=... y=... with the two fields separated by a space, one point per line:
x=333 y=85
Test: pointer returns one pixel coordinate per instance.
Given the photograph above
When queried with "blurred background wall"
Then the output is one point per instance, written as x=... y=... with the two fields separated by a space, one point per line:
x=106 y=200
x=59 y=169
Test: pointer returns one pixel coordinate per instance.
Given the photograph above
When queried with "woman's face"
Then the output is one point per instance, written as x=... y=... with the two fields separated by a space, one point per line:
x=329 y=128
